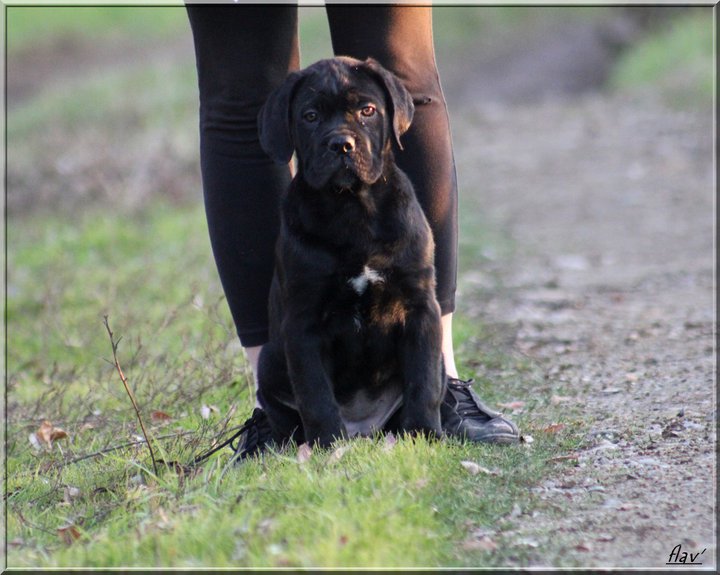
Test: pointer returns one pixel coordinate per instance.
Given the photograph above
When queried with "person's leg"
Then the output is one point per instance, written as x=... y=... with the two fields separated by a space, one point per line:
x=242 y=54
x=400 y=38
x=448 y=351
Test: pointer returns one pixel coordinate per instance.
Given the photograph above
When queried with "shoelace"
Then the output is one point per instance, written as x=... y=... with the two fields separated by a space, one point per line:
x=464 y=383
x=248 y=425
x=467 y=406
x=258 y=431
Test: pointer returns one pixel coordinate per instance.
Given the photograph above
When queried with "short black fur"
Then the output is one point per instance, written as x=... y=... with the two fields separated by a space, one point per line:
x=354 y=324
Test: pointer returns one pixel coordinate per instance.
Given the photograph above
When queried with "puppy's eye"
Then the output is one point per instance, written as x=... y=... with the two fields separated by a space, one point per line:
x=368 y=111
x=310 y=116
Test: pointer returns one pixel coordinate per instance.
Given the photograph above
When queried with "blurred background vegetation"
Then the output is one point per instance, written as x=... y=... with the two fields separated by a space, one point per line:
x=102 y=101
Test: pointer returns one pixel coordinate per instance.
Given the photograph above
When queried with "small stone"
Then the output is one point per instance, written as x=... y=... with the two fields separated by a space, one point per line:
x=612 y=503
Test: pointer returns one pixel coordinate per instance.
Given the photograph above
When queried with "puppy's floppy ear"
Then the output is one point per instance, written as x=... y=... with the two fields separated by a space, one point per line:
x=274 y=121
x=402 y=108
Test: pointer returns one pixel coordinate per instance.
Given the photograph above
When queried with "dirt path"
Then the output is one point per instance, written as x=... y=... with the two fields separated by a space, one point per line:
x=609 y=204
x=611 y=293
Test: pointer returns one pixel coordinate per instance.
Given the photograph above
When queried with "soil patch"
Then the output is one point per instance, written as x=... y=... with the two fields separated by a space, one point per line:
x=611 y=294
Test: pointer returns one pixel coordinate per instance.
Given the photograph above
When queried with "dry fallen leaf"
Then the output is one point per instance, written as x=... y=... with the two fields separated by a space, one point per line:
x=554 y=428
x=68 y=534
x=556 y=399
x=48 y=433
x=159 y=416
x=304 y=453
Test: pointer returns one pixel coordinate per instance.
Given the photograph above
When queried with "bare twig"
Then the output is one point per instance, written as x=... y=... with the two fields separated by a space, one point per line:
x=118 y=448
x=215 y=438
x=27 y=523
x=129 y=391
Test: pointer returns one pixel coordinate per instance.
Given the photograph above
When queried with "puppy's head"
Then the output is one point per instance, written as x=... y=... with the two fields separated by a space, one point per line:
x=339 y=115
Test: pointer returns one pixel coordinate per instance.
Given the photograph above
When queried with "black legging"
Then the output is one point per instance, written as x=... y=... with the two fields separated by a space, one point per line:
x=243 y=52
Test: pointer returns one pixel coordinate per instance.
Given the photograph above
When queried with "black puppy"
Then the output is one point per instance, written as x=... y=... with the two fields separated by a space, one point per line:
x=355 y=333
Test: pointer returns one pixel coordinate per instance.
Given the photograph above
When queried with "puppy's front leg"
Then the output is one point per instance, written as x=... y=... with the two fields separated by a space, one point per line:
x=319 y=412
x=424 y=377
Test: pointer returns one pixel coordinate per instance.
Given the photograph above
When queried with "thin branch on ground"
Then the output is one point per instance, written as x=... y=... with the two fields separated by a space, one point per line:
x=128 y=445
x=129 y=391
x=119 y=447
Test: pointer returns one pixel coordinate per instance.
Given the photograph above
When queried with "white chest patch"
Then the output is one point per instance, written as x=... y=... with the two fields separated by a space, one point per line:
x=368 y=276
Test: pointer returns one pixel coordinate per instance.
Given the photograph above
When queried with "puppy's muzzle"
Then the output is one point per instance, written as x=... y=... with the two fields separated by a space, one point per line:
x=341 y=144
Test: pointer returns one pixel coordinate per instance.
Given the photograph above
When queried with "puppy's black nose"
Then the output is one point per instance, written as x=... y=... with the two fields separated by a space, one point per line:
x=342 y=144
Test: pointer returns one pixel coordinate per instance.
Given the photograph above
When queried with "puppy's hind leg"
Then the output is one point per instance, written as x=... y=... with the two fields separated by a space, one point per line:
x=276 y=396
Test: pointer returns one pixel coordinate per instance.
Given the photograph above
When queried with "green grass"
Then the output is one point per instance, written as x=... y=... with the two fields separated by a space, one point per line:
x=378 y=505
x=153 y=275
x=411 y=504
x=676 y=61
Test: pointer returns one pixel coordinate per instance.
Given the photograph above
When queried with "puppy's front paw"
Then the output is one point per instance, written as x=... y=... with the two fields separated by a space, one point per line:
x=427 y=424
x=324 y=436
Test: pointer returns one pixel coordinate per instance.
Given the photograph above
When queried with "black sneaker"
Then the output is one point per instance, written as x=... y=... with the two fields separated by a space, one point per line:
x=465 y=415
x=255 y=434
